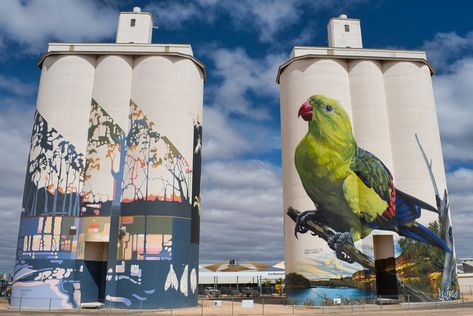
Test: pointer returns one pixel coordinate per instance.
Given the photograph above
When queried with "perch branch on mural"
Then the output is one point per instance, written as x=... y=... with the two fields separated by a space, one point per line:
x=327 y=233
x=447 y=288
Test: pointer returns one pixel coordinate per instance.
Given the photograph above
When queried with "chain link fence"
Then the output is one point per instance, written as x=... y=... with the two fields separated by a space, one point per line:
x=270 y=305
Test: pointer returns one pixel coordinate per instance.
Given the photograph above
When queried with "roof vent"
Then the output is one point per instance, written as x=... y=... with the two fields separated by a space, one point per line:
x=136 y=10
x=343 y=16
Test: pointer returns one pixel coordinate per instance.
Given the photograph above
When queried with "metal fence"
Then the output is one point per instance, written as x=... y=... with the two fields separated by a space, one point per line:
x=240 y=306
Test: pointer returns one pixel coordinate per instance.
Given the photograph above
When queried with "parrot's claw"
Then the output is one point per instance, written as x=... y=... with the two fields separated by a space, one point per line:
x=337 y=242
x=301 y=222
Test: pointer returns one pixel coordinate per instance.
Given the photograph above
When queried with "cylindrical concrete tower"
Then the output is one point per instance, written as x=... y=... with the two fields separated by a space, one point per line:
x=48 y=238
x=112 y=192
x=354 y=175
x=411 y=109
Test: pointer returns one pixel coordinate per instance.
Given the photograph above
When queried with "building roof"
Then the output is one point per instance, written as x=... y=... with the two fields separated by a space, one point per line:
x=226 y=266
x=178 y=50
x=307 y=52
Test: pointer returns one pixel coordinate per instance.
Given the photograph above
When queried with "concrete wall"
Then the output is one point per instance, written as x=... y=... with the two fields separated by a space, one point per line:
x=114 y=160
x=388 y=103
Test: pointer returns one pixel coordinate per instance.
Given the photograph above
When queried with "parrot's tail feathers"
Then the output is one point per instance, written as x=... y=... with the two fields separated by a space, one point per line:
x=407 y=210
x=413 y=200
x=421 y=233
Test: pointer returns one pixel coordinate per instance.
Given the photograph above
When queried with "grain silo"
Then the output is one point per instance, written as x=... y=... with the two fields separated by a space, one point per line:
x=361 y=208
x=112 y=193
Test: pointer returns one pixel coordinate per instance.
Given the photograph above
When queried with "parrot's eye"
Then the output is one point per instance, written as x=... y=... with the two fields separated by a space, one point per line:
x=328 y=108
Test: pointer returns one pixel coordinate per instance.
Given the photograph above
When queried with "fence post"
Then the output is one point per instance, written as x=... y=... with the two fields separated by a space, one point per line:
x=293 y=307
x=49 y=308
x=202 y=307
x=141 y=307
x=232 y=305
x=19 y=306
x=262 y=305
x=172 y=300
x=408 y=301
x=470 y=289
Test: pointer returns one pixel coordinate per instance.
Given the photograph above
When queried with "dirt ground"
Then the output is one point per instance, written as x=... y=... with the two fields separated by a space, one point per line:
x=464 y=307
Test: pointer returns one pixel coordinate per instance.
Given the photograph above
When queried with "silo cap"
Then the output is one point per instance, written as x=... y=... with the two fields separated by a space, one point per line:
x=136 y=9
x=343 y=16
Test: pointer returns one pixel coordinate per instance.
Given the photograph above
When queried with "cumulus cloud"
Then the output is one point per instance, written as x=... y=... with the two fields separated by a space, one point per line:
x=451 y=54
x=241 y=203
x=240 y=75
x=14 y=86
x=15 y=128
x=172 y=15
x=268 y=18
x=460 y=184
x=445 y=48
x=454 y=97
x=32 y=23
x=222 y=139
x=241 y=104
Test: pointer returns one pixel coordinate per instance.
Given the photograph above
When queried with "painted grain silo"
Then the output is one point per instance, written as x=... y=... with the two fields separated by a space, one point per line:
x=365 y=202
x=112 y=193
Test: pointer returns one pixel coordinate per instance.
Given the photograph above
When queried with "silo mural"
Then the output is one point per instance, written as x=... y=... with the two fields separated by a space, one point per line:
x=365 y=202
x=112 y=192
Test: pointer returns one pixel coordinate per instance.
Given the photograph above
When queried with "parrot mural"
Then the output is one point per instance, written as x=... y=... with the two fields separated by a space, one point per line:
x=352 y=190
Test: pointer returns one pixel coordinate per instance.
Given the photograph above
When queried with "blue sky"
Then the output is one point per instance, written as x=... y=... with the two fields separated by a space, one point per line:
x=242 y=43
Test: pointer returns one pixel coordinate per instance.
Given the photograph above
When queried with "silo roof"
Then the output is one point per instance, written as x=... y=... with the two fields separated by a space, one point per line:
x=133 y=49
x=307 y=52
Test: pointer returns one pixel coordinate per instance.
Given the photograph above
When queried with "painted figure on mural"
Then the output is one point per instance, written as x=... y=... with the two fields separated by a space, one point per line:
x=352 y=190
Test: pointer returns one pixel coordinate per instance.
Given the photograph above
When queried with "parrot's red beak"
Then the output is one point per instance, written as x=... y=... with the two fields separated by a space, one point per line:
x=305 y=111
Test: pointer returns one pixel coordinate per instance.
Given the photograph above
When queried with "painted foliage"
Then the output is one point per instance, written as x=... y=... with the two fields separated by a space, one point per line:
x=104 y=164
x=354 y=194
x=52 y=184
x=132 y=191
x=156 y=175
x=46 y=266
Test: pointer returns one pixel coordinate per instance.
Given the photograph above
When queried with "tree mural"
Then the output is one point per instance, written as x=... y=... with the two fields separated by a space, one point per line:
x=105 y=151
x=54 y=169
x=155 y=171
x=128 y=177
x=146 y=168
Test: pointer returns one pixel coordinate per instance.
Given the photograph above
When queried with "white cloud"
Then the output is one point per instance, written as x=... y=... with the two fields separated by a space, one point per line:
x=268 y=18
x=33 y=23
x=241 y=76
x=450 y=53
x=221 y=138
x=454 y=97
x=14 y=86
x=173 y=15
x=446 y=47
x=460 y=181
x=15 y=129
x=239 y=123
x=460 y=185
x=241 y=204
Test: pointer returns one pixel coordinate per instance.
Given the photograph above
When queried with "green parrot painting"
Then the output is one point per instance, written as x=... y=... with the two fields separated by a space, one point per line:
x=352 y=190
